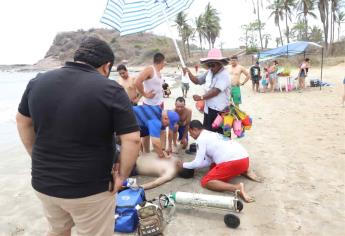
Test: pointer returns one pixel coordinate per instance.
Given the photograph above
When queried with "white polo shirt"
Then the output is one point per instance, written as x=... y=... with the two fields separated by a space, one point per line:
x=213 y=147
x=221 y=81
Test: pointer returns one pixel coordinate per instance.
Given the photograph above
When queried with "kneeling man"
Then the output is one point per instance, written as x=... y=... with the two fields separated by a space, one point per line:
x=226 y=159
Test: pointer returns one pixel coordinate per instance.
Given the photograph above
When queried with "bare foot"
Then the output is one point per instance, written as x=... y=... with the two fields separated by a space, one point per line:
x=252 y=176
x=244 y=195
x=174 y=149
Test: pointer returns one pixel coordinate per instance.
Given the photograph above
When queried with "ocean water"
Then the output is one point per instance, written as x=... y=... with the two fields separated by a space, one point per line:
x=12 y=86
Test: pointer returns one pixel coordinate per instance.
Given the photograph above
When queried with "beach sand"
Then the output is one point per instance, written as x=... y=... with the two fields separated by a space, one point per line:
x=297 y=143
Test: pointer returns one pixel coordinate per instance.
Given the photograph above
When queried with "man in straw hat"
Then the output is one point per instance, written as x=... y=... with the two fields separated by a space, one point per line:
x=217 y=85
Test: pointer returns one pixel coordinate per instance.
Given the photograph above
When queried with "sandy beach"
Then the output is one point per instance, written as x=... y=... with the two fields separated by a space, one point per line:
x=297 y=143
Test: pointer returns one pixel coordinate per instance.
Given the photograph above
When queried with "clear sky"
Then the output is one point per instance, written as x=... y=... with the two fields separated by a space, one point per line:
x=28 y=27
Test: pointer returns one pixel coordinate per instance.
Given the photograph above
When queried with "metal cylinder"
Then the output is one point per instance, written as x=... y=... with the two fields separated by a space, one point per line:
x=205 y=200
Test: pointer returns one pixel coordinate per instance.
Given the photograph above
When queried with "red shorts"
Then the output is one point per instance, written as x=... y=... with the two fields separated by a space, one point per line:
x=226 y=170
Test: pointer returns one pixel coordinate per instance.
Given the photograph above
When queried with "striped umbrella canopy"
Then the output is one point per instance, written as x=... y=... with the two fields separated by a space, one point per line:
x=133 y=16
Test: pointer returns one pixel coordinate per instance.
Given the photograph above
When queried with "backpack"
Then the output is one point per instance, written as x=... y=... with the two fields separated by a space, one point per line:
x=125 y=213
x=151 y=222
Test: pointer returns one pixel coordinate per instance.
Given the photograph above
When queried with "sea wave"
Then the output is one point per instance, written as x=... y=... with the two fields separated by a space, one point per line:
x=8 y=110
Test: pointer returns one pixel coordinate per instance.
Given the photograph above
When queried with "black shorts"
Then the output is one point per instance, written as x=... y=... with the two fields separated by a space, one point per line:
x=208 y=120
x=255 y=80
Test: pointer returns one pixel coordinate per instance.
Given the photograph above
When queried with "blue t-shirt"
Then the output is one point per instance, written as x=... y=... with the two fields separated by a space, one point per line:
x=150 y=118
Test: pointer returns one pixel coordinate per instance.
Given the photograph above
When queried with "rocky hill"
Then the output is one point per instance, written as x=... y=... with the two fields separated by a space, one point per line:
x=136 y=49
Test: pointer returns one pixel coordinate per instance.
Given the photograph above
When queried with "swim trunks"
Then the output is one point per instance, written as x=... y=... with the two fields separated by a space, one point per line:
x=226 y=171
x=181 y=130
x=236 y=94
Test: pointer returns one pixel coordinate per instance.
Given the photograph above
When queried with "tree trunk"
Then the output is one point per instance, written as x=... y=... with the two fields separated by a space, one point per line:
x=200 y=40
x=259 y=21
x=280 y=33
x=306 y=27
x=287 y=26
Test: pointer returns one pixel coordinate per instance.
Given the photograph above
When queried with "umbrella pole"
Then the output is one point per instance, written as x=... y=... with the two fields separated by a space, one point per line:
x=321 y=66
x=171 y=35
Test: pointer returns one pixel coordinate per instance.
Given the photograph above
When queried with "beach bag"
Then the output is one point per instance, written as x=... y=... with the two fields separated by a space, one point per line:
x=125 y=213
x=240 y=114
x=246 y=121
x=217 y=122
x=151 y=221
x=237 y=128
x=227 y=124
x=200 y=105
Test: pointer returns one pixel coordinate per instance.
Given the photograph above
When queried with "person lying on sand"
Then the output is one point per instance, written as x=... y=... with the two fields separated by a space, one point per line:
x=149 y=164
x=226 y=157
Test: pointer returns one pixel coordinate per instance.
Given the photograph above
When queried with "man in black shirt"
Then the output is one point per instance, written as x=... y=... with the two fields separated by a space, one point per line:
x=255 y=74
x=66 y=120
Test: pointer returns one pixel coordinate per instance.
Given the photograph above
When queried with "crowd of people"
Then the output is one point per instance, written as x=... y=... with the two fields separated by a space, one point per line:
x=70 y=119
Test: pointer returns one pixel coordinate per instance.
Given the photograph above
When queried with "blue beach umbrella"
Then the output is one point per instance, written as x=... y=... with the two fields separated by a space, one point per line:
x=133 y=16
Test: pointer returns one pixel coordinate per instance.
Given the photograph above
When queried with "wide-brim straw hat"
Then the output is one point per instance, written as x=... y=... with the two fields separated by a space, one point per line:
x=215 y=55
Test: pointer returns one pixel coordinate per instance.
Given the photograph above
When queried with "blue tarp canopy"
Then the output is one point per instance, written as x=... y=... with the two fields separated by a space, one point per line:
x=289 y=49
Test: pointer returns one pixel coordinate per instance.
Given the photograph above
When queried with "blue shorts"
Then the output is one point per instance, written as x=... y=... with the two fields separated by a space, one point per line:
x=180 y=131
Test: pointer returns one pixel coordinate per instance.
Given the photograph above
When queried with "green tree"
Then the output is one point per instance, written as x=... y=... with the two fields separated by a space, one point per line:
x=316 y=34
x=200 y=29
x=323 y=7
x=212 y=26
x=251 y=35
x=305 y=8
x=181 y=21
x=257 y=12
x=287 y=6
x=340 y=19
x=277 y=12
x=298 y=31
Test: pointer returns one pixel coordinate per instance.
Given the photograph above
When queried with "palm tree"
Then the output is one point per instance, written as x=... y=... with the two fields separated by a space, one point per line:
x=181 y=21
x=212 y=26
x=324 y=16
x=200 y=29
x=305 y=8
x=188 y=32
x=278 y=14
x=287 y=6
x=257 y=9
x=340 y=19
x=298 y=28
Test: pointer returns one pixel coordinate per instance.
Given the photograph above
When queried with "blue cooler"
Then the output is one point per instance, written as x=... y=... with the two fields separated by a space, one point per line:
x=125 y=212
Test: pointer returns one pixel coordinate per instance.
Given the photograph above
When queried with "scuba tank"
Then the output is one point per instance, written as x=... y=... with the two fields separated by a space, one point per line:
x=205 y=200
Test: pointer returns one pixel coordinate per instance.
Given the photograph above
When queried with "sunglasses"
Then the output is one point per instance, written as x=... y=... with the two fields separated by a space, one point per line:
x=211 y=65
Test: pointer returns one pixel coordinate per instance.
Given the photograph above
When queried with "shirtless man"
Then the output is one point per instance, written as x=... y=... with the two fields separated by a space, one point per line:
x=127 y=83
x=185 y=115
x=235 y=71
x=149 y=164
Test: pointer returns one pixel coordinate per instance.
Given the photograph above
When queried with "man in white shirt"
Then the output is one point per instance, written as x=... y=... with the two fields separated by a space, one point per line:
x=226 y=159
x=184 y=83
x=217 y=81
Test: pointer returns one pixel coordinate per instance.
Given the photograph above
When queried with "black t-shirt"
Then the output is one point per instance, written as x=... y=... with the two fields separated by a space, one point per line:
x=75 y=112
x=255 y=71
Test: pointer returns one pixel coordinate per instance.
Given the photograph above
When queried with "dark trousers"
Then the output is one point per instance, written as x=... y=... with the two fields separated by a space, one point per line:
x=208 y=120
